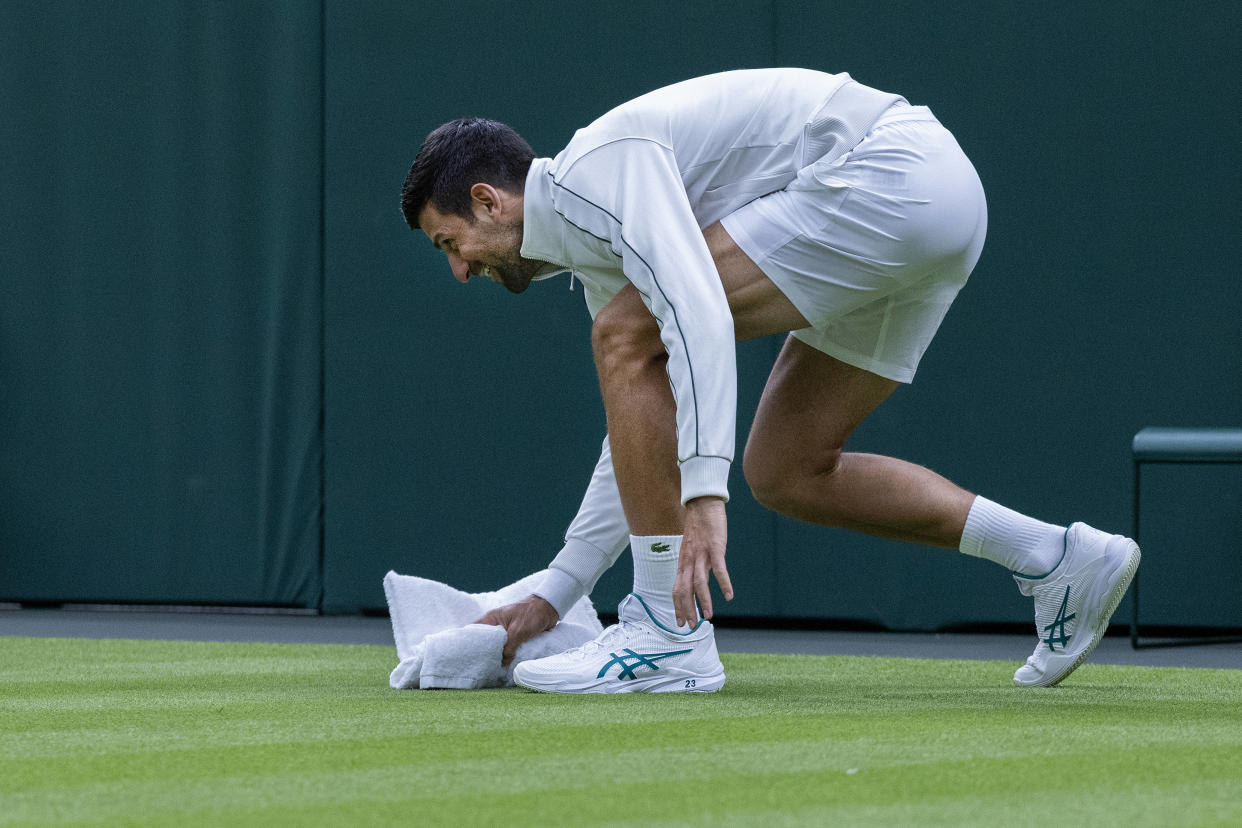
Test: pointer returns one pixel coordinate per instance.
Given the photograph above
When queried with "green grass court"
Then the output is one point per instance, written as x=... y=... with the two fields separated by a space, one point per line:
x=174 y=733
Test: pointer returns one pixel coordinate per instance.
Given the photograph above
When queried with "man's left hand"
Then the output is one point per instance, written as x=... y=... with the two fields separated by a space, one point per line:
x=702 y=551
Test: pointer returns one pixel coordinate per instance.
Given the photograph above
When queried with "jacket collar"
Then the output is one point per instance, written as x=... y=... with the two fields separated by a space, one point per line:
x=543 y=229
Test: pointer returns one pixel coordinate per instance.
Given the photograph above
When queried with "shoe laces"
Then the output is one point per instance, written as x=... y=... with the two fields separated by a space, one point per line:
x=604 y=640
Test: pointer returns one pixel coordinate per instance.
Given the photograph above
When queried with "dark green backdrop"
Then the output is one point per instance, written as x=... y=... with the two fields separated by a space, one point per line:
x=161 y=302
x=228 y=373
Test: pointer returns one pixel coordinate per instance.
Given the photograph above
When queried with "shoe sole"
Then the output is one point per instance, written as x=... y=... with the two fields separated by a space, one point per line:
x=1127 y=569
x=670 y=684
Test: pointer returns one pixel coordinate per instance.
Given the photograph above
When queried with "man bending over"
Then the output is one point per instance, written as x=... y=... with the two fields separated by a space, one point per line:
x=728 y=207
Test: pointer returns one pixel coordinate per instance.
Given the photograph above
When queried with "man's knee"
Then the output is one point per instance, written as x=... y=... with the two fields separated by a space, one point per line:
x=625 y=334
x=779 y=477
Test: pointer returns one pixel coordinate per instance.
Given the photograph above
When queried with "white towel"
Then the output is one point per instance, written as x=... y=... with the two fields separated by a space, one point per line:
x=439 y=647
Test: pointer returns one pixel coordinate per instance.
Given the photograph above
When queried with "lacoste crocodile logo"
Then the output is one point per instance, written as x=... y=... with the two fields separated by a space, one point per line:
x=660 y=547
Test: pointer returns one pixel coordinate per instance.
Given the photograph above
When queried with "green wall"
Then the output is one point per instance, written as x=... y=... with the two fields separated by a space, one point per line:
x=229 y=373
x=160 y=302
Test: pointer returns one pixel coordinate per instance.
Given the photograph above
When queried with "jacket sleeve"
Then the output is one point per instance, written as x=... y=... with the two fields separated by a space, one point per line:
x=630 y=193
x=593 y=542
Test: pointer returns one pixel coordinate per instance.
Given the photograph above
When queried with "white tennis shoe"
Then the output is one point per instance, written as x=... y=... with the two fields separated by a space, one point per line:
x=636 y=655
x=1074 y=601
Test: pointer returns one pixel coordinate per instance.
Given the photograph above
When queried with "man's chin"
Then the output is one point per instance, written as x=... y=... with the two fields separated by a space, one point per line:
x=517 y=284
x=517 y=275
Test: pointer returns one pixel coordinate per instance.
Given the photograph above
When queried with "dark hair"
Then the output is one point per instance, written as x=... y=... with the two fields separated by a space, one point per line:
x=458 y=155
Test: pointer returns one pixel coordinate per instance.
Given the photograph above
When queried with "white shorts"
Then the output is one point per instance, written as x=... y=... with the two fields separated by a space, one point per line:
x=873 y=246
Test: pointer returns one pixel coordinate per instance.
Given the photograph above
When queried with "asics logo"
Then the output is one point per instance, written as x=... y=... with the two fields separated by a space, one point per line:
x=1056 y=630
x=660 y=547
x=629 y=660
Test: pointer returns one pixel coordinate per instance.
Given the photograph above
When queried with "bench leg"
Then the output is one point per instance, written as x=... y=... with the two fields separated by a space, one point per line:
x=1134 y=587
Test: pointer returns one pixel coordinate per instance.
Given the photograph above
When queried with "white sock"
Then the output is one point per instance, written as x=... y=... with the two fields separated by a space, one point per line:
x=655 y=573
x=1015 y=541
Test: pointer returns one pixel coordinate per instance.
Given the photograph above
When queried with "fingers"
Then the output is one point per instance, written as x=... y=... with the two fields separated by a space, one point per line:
x=522 y=621
x=493 y=618
x=693 y=584
x=692 y=589
x=702 y=589
x=722 y=575
x=702 y=553
x=504 y=617
x=683 y=593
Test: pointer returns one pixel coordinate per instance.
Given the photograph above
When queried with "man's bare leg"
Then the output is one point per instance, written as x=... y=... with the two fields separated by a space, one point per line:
x=811 y=405
x=631 y=363
x=795 y=465
x=641 y=414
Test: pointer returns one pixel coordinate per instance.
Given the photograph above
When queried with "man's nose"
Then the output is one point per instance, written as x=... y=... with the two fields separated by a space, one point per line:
x=461 y=270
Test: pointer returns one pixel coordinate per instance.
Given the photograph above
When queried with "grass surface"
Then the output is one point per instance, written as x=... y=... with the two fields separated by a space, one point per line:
x=160 y=733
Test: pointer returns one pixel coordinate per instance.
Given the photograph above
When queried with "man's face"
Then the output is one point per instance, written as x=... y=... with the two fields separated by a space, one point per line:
x=488 y=243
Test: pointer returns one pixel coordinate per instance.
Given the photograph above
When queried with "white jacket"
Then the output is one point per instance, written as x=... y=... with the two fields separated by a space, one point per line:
x=626 y=202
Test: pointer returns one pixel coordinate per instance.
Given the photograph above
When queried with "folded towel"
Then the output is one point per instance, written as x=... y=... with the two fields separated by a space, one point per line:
x=439 y=647
x=465 y=658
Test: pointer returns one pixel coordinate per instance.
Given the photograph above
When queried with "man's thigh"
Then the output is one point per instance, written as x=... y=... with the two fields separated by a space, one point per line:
x=811 y=405
x=757 y=305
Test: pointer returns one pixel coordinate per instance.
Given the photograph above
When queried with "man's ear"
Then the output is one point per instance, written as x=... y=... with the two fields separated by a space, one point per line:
x=485 y=200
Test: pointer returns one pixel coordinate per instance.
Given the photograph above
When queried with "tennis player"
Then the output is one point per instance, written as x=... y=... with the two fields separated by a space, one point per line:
x=728 y=207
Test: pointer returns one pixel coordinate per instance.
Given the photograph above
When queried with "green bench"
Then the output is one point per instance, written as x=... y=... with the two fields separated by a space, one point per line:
x=1186 y=446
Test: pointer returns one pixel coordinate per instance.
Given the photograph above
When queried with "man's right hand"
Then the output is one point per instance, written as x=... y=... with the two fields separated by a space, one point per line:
x=702 y=553
x=523 y=621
